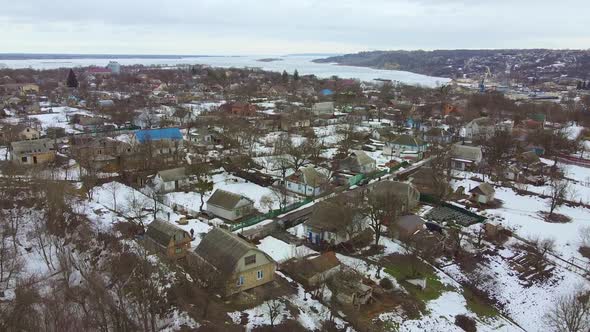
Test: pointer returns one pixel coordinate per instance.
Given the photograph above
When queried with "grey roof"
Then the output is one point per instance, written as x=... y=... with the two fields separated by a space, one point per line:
x=312 y=177
x=173 y=174
x=408 y=140
x=362 y=157
x=409 y=222
x=466 y=152
x=223 y=249
x=483 y=121
x=484 y=189
x=331 y=216
x=226 y=199
x=397 y=188
x=37 y=145
x=162 y=231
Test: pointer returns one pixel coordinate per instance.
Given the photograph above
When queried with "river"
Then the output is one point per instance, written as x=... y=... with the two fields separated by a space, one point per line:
x=303 y=64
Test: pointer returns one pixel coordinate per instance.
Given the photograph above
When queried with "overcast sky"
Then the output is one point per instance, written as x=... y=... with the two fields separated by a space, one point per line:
x=287 y=26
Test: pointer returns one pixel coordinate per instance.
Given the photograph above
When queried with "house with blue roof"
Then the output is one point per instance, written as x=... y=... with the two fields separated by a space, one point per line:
x=165 y=143
x=160 y=134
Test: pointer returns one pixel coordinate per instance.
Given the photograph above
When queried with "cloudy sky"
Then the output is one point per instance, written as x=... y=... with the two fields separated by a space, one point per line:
x=287 y=26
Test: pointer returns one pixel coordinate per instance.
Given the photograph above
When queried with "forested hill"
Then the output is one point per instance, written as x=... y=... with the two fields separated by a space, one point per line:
x=454 y=63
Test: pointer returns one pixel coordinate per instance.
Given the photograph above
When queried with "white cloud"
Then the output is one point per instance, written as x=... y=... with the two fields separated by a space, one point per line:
x=281 y=26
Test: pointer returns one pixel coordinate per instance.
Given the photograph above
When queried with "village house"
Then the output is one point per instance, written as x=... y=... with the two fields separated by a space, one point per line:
x=239 y=108
x=168 y=239
x=307 y=181
x=408 y=225
x=438 y=136
x=171 y=180
x=312 y=272
x=32 y=152
x=358 y=162
x=324 y=108
x=405 y=192
x=240 y=264
x=349 y=288
x=24 y=132
x=333 y=224
x=21 y=88
x=405 y=146
x=484 y=193
x=166 y=143
x=230 y=206
x=484 y=127
x=465 y=157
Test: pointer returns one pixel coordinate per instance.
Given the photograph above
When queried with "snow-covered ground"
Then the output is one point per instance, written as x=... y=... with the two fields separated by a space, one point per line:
x=59 y=117
x=130 y=203
x=526 y=305
x=281 y=251
x=191 y=201
x=521 y=214
x=441 y=312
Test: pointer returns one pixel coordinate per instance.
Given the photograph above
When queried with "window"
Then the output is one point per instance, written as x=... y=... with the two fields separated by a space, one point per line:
x=248 y=260
x=24 y=159
x=259 y=275
x=240 y=280
x=178 y=250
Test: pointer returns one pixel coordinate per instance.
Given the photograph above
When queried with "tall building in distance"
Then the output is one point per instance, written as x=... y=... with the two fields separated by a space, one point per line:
x=115 y=67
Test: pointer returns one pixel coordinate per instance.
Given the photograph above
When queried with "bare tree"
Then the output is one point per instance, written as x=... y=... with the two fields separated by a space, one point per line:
x=381 y=207
x=274 y=308
x=558 y=193
x=571 y=313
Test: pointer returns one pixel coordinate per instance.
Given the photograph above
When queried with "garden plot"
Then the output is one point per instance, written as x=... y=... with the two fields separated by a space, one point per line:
x=526 y=303
x=520 y=213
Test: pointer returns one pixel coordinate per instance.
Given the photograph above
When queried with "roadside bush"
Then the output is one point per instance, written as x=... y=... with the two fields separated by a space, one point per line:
x=386 y=283
x=466 y=323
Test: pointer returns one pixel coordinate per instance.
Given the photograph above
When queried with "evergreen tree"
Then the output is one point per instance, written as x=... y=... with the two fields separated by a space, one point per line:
x=193 y=71
x=585 y=85
x=72 y=81
x=285 y=76
x=579 y=87
x=296 y=75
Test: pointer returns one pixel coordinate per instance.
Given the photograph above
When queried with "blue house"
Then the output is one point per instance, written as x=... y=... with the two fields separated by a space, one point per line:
x=161 y=134
x=327 y=92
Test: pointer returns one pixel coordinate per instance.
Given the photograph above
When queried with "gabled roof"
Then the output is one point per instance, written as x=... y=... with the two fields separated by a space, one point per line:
x=483 y=189
x=162 y=231
x=396 y=188
x=37 y=145
x=466 y=152
x=409 y=222
x=331 y=216
x=436 y=131
x=173 y=174
x=308 y=175
x=483 y=121
x=320 y=264
x=225 y=199
x=408 y=140
x=158 y=134
x=362 y=157
x=223 y=249
x=529 y=157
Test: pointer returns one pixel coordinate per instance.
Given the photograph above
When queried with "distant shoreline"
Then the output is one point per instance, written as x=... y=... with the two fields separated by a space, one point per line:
x=58 y=56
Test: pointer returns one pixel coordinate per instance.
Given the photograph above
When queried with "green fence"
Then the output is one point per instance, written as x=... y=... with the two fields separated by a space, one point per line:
x=272 y=214
x=269 y=215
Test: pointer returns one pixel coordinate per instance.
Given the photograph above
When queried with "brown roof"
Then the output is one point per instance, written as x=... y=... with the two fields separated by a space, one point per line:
x=331 y=216
x=484 y=189
x=162 y=231
x=225 y=199
x=223 y=249
x=324 y=262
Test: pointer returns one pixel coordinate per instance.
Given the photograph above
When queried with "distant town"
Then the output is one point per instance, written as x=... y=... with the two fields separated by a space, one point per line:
x=197 y=198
